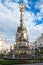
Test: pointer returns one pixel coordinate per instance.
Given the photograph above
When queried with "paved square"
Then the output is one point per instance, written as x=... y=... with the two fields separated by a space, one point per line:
x=32 y=64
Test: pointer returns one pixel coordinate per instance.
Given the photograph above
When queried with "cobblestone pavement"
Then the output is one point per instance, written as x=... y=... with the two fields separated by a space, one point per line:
x=32 y=64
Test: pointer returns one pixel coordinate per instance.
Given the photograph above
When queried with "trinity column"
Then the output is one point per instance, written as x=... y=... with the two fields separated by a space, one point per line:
x=21 y=35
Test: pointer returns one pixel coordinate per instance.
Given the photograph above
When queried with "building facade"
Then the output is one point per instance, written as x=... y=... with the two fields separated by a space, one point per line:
x=5 y=46
x=39 y=41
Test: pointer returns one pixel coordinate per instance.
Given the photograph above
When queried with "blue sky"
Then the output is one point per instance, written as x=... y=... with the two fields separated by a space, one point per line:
x=10 y=17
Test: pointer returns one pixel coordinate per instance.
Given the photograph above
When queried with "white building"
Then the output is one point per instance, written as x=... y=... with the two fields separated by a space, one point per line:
x=5 y=46
x=39 y=41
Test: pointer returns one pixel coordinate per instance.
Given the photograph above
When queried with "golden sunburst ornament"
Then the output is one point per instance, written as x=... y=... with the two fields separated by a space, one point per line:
x=22 y=6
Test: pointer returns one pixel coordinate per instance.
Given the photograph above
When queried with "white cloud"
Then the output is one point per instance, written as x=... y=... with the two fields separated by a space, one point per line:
x=39 y=5
x=33 y=31
x=9 y=21
x=25 y=1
